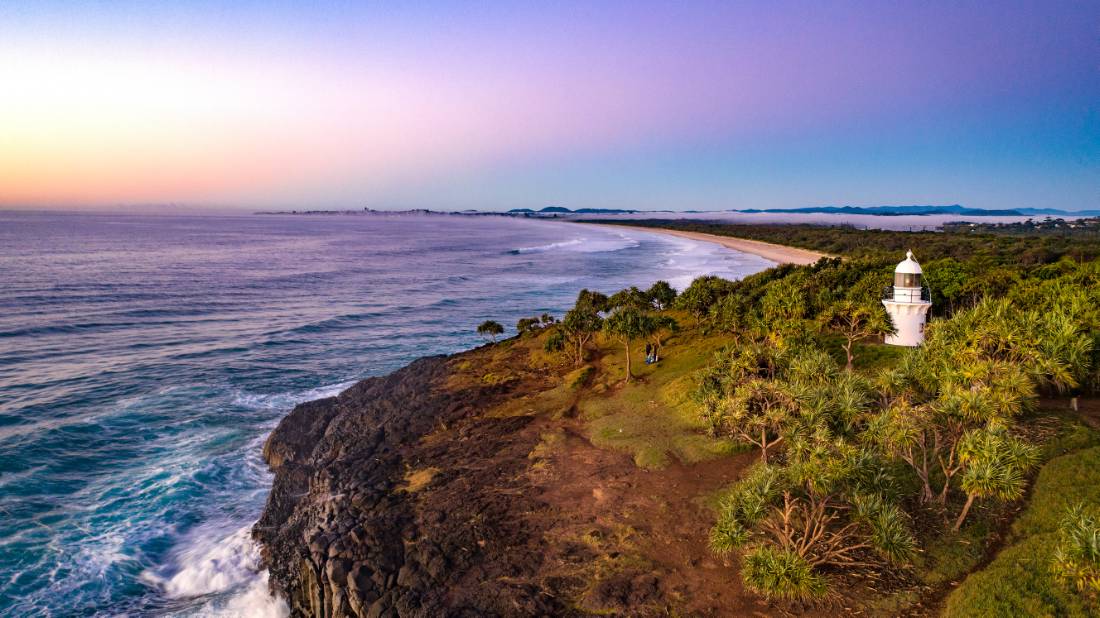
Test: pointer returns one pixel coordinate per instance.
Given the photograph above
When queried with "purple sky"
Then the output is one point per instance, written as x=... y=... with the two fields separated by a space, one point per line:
x=467 y=105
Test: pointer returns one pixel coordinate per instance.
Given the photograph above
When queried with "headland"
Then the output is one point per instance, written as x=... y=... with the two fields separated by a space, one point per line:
x=745 y=472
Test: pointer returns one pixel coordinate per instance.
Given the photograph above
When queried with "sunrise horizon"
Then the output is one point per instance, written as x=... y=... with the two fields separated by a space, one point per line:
x=455 y=107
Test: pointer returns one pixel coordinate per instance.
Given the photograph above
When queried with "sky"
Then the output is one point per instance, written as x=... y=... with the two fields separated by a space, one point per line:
x=454 y=105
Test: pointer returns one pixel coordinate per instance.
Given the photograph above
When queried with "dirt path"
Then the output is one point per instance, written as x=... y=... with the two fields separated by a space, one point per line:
x=655 y=520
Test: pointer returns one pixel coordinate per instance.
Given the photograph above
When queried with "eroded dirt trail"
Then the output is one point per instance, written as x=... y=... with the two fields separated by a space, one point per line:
x=637 y=539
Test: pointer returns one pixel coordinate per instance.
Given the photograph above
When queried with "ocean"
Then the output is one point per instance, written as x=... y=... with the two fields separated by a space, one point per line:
x=144 y=359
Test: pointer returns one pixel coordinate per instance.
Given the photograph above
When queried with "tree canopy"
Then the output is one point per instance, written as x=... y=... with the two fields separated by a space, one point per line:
x=490 y=329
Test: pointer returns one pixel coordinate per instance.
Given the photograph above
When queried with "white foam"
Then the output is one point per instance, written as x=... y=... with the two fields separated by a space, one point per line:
x=285 y=401
x=253 y=602
x=208 y=564
x=585 y=244
x=551 y=246
x=226 y=568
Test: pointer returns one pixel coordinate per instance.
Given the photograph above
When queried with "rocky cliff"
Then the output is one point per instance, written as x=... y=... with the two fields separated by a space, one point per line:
x=371 y=516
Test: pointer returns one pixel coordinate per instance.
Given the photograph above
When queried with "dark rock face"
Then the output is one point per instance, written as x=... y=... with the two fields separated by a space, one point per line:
x=342 y=536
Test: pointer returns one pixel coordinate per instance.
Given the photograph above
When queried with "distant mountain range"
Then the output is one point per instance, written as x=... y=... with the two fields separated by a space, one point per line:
x=953 y=209
x=558 y=210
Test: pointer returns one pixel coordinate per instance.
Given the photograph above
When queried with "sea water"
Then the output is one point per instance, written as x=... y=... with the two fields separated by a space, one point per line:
x=144 y=359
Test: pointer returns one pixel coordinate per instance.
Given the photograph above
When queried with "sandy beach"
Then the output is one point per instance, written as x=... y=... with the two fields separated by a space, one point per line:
x=779 y=254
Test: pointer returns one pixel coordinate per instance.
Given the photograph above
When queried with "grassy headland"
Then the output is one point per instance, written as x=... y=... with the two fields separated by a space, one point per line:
x=776 y=458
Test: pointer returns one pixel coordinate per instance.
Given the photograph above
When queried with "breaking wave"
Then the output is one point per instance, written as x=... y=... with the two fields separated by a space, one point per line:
x=583 y=245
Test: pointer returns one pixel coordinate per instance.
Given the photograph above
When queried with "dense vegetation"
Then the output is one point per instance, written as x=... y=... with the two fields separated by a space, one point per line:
x=870 y=468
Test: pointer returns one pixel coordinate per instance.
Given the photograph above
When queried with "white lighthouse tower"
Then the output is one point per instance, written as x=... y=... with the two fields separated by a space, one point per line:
x=907 y=302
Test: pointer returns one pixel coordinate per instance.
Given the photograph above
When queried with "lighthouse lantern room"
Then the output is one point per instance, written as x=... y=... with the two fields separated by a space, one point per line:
x=907 y=302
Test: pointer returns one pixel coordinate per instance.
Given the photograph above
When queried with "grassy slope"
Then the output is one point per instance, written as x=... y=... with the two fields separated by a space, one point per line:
x=653 y=418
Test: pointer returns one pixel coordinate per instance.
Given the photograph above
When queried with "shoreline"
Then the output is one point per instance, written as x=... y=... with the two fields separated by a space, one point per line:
x=780 y=254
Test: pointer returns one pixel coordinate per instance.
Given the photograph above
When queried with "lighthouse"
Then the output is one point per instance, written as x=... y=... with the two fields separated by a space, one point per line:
x=907 y=302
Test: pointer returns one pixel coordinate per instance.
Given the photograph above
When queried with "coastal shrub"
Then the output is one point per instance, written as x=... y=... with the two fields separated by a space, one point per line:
x=857 y=450
x=781 y=574
x=581 y=323
x=661 y=295
x=995 y=249
x=490 y=330
x=528 y=325
x=555 y=341
x=1076 y=560
x=702 y=294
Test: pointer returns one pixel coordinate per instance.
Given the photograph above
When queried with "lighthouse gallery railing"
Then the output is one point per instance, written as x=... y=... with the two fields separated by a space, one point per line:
x=907 y=295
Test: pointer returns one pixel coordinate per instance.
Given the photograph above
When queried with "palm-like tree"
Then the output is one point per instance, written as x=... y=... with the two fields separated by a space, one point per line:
x=855 y=322
x=994 y=464
x=758 y=410
x=626 y=325
x=490 y=329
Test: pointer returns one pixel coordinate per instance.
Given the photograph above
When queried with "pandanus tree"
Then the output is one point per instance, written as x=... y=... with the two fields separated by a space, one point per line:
x=661 y=295
x=994 y=464
x=731 y=368
x=950 y=402
x=490 y=330
x=627 y=325
x=1076 y=560
x=854 y=322
x=630 y=298
x=757 y=412
x=824 y=508
x=702 y=294
x=581 y=323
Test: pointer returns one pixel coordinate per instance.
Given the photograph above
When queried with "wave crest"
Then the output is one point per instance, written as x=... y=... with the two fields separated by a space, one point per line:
x=226 y=569
x=582 y=245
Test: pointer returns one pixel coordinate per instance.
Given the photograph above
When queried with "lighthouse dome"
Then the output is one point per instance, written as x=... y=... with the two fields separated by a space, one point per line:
x=909 y=266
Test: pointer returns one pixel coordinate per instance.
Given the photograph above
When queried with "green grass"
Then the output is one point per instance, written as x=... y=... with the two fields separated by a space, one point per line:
x=954 y=554
x=653 y=418
x=652 y=439
x=1018 y=582
x=871 y=358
